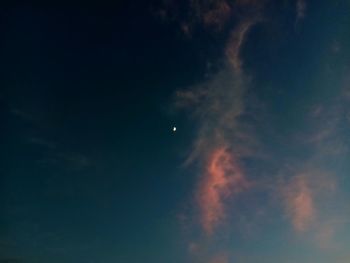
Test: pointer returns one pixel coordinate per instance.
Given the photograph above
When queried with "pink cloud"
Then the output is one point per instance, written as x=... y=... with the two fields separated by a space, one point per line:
x=223 y=178
x=300 y=203
x=305 y=199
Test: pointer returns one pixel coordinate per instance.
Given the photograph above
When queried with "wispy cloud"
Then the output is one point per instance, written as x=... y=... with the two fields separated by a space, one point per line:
x=218 y=106
x=235 y=42
x=308 y=203
x=300 y=205
x=300 y=9
x=225 y=140
x=217 y=16
x=212 y=15
x=220 y=258
x=221 y=141
x=223 y=178
x=52 y=152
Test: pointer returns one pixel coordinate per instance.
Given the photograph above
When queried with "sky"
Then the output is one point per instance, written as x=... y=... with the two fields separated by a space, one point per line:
x=257 y=170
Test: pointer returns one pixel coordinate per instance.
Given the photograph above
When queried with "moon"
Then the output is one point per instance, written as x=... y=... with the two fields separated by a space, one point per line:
x=174 y=129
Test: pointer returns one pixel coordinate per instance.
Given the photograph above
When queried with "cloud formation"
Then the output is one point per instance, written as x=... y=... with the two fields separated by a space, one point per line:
x=210 y=15
x=300 y=202
x=220 y=258
x=221 y=141
x=215 y=14
x=235 y=42
x=218 y=107
x=225 y=139
x=223 y=178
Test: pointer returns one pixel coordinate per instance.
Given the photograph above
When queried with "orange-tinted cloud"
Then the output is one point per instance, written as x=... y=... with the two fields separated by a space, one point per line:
x=220 y=142
x=216 y=106
x=223 y=178
x=300 y=203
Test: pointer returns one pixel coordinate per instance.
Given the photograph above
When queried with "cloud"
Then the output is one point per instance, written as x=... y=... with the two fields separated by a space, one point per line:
x=24 y=115
x=312 y=197
x=300 y=9
x=210 y=15
x=223 y=178
x=220 y=258
x=235 y=42
x=299 y=199
x=51 y=151
x=325 y=234
x=218 y=108
x=193 y=14
x=213 y=14
x=308 y=198
x=223 y=138
x=226 y=140
x=39 y=141
x=221 y=141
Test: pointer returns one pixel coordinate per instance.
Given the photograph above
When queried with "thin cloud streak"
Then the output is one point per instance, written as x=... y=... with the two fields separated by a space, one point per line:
x=235 y=42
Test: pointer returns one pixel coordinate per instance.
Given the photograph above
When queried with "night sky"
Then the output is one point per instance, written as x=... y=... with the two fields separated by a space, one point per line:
x=257 y=170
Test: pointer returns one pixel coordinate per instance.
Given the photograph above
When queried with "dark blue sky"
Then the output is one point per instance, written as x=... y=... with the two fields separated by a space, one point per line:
x=257 y=170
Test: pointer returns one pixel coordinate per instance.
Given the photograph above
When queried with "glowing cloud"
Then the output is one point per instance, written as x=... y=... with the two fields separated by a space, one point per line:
x=223 y=179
